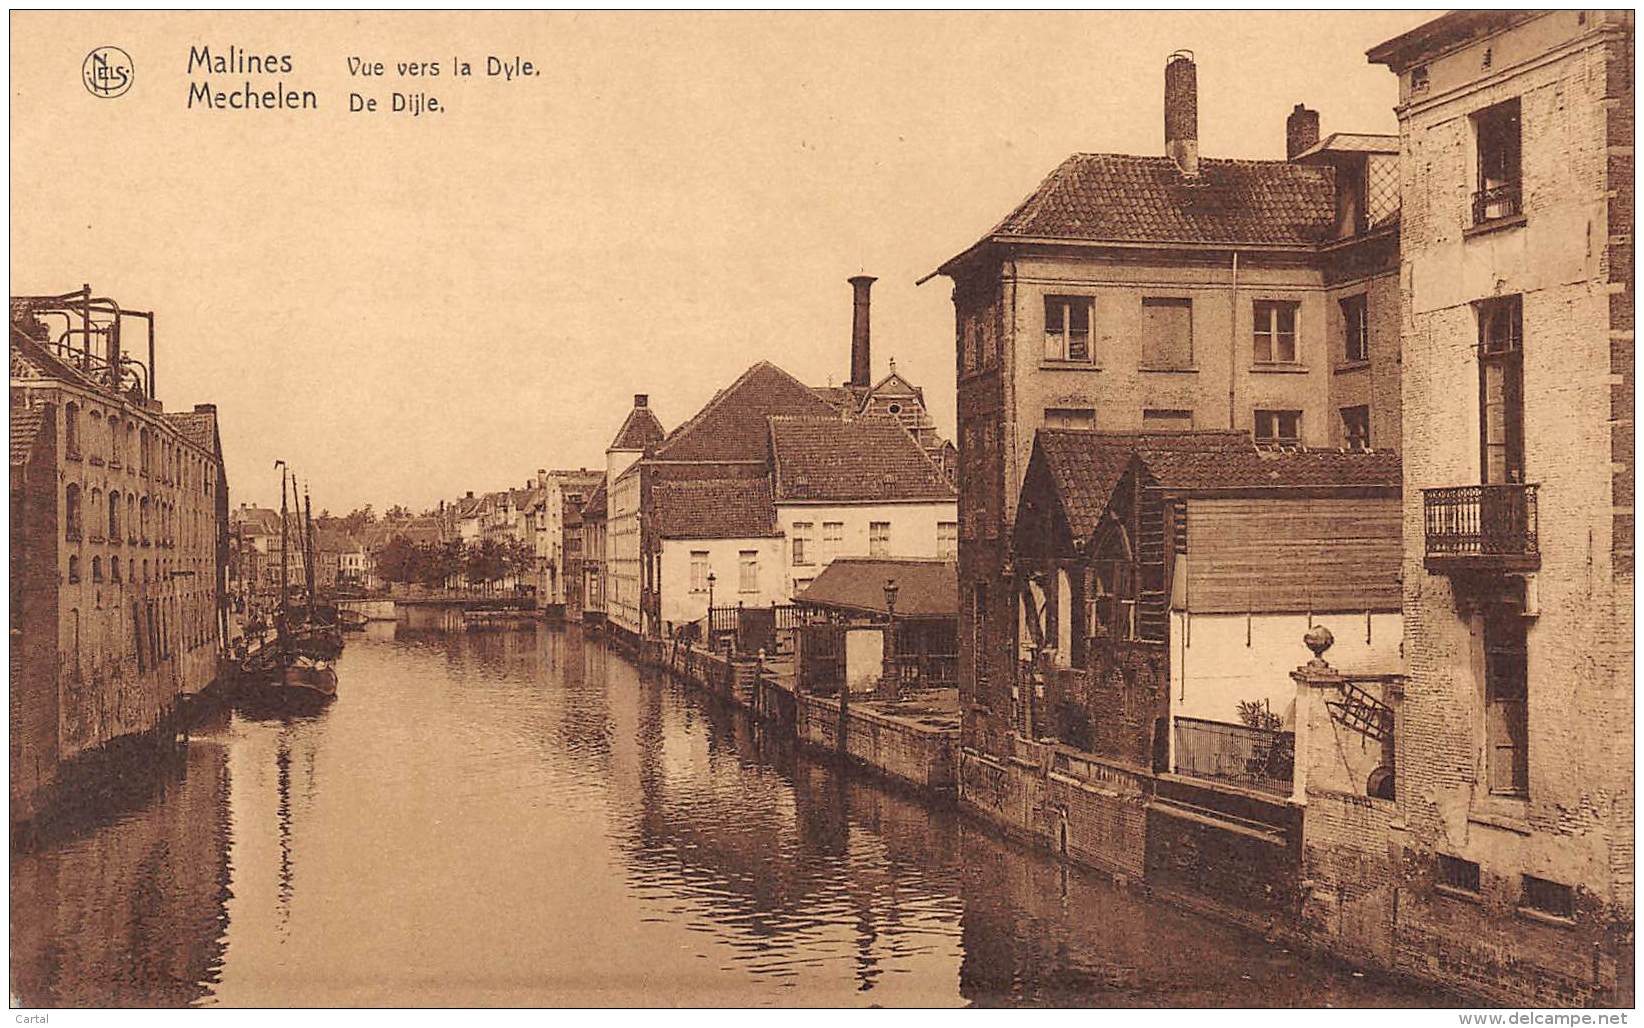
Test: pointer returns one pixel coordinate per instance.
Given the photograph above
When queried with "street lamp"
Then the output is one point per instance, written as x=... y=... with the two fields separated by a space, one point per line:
x=889 y=672
x=710 y=633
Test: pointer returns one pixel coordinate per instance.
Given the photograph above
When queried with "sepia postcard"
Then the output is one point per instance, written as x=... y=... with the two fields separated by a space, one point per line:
x=823 y=510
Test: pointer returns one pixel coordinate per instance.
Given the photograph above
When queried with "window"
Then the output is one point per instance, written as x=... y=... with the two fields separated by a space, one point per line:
x=1275 y=322
x=1457 y=873
x=879 y=538
x=1111 y=588
x=1501 y=390
x=1419 y=79
x=1548 y=897
x=1067 y=328
x=114 y=568
x=1355 y=428
x=1278 y=427
x=114 y=521
x=115 y=439
x=1497 y=132
x=802 y=553
x=73 y=569
x=947 y=539
x=71 y=429
x=1506 y=695
x=699 y=571
x=969 y=351
x=1167 y=333
x=1070 y=417
x=833 y=539
x=748 y=563
x=1355 y=329
x=96 y=569
x=71 y=513
x=1167 y=420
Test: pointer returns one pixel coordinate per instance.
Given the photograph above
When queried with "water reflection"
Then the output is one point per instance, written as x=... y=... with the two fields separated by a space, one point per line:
x=522 y=817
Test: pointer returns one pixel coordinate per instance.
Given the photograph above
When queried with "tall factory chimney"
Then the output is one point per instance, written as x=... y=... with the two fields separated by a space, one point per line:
x=861 y=356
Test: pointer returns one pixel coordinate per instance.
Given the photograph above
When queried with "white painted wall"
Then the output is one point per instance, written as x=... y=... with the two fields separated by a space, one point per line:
x=1213 y=667
x=622 y=545
x=680 y=604
x=912 y=532
x=864 y=658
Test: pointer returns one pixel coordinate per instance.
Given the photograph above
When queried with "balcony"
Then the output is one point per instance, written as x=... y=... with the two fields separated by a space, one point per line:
x=1481 y=528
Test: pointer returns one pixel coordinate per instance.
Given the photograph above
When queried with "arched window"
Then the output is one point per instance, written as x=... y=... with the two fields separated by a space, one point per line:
x=131 y=569
x=144 y=444
x=71 y=428
x=142 y=520
x=114 y=520
x=145 y=569
x=95 y=515
x=72 y=515
x=114 y=568
x=96 y=569
x=1113 y=585
x=95 y=433
x=74 y=568
x=131 y=445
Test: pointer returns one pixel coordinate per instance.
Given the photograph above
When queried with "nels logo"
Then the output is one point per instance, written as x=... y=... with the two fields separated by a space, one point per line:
x=107 y=72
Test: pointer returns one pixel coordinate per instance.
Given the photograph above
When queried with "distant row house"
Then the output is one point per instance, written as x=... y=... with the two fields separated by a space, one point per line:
x=751 y=498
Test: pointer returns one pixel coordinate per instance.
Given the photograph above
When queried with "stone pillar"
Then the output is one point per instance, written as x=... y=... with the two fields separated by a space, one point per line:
x=1316 y=681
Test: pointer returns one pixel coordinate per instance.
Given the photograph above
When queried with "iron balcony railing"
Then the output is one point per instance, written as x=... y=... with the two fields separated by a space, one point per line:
x=1497 y=202
x=1255 y=758
x=1477 y=525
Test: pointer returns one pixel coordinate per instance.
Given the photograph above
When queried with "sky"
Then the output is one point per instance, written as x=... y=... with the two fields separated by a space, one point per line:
x=407 y=308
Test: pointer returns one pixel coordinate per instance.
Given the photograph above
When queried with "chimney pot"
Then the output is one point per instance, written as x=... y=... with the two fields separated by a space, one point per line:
x=1181 y=112
x=1301 y=132
x=641 y=400
x=861 y=352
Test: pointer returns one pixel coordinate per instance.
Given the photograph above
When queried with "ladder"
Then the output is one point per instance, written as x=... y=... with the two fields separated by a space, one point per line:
x=1362 y=712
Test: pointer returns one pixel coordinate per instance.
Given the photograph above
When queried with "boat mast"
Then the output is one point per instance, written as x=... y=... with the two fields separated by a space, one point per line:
x=308 y=552
x=285 y=541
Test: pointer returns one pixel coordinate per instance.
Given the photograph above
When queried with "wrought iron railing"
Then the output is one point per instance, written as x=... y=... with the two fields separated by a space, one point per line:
x=1255 y=758
x=1481 y=521
x=928 y=670
x=1497 y=202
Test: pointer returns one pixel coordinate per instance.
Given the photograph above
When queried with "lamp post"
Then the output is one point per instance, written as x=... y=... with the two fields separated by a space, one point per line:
x=710 y=626
x=890 y=675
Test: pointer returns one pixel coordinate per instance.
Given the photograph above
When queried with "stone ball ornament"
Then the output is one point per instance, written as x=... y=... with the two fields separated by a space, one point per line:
x=1319 y=639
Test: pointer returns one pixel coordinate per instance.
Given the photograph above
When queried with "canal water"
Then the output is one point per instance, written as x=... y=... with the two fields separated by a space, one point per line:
x=523 y=817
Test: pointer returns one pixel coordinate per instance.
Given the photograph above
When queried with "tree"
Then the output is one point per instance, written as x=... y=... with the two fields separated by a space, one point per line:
x=399 y=560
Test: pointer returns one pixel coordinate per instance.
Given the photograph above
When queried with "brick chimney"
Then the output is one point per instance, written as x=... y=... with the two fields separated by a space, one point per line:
x=1181 y=112
x=861 y=355
x=1301 y=132
x=641 y=400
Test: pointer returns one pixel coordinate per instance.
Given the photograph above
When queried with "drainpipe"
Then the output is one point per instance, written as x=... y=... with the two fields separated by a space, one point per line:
x=1233 y=344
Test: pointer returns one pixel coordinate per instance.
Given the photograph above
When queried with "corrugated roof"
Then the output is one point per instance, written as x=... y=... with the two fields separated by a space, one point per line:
x=1085 y=464
x=734 y=426
x=924 y=588
x=864 y=459
x=1128 y=198
x=714 y=508
x=1252 y=469
x=25 y=429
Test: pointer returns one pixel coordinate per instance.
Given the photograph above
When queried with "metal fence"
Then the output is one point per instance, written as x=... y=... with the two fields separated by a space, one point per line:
x=1251 y=757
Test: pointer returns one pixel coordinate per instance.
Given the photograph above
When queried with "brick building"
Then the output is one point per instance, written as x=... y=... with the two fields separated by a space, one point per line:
x=1165 y=293
x=1506 y=861
x=119 y=541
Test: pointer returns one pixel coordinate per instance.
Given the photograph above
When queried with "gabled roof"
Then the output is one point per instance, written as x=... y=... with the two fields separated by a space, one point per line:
x=866 y=459
x=594 y=509
x=734 y=426
x=924 y=588
x=894 y=384
x=1085 y=465
x=1143 y=199
x=261 y=520
x=26 y=423
x=843 y=398
x=1274 y=469
x=640 y=431
x=714 y=508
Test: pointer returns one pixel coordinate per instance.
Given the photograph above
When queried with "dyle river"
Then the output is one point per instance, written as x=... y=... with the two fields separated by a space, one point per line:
x=524 y=817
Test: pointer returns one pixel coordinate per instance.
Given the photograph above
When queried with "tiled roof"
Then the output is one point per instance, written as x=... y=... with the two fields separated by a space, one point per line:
x=257 y=519
x=198 y=427
x=1085 y=465
x=841 y=398
x=1129 y=198
x=714 y=508
x=865 y=459
x=734 y=425
x=30 y=360
x=640 y=431
x=924 y=588
x=25 y=428
x=595 y=507
x=1251 y=469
